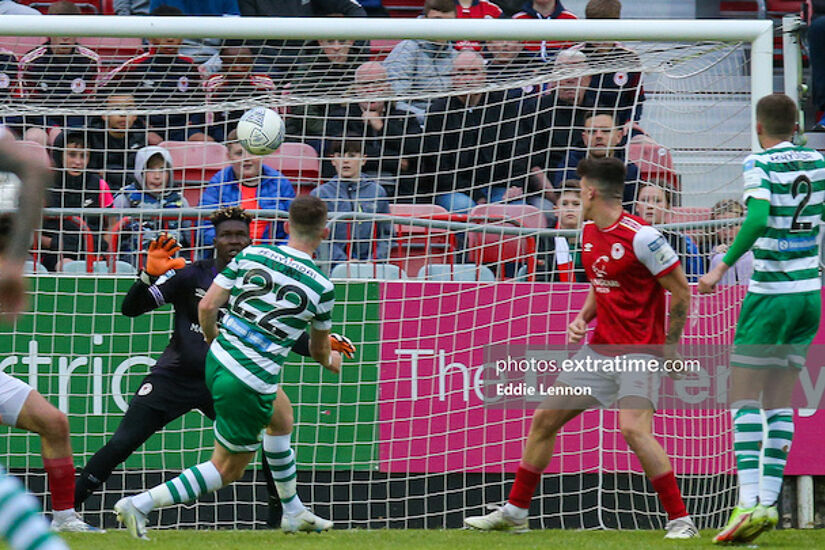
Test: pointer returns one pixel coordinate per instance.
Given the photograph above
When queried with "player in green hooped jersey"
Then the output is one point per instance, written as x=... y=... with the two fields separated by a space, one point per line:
x=271 y=293
x=784 y=193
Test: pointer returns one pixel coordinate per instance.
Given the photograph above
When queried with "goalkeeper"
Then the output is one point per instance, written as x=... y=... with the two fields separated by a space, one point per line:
x=176 y=384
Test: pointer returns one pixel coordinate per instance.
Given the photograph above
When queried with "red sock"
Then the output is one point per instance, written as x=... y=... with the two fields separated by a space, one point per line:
x=669 y=494
x=60 y=472
x=527 y=479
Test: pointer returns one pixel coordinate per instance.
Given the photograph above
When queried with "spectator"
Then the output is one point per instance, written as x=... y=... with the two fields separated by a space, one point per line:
x=8 y=7
x=559 y=258
x=8 y=76
x=392 y=136
x=75 y=188
x=162 y=77
x=249 y=183
x=619 y=90
x=654 y=206
x=113 y=140
x=154 y=187
x=475 y=9
x=131 y=7
x=472 y=141
x=561 y=115
x=544 y=9
x=602 y=138
x=740 y=272
x=816 y=52
x=415 y=67
x=351 y=191
x=236 y=82
x=508 y=59
x=58 y=74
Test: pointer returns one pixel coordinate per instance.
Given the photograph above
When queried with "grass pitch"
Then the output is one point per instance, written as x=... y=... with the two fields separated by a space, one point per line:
x=425 y=540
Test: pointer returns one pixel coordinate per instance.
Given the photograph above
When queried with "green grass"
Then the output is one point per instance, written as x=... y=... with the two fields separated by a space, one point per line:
x=425 y=540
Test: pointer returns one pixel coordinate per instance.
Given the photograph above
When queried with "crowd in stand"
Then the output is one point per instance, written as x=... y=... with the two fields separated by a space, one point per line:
x=455 y=150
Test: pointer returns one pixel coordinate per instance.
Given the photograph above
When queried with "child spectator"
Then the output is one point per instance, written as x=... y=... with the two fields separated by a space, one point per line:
x=740 y=272
x=236 y=82
x=249 y=183
x=474 y=9
x=59 y=73
x=350 y=191
x=544 y=9
x=391 y=136
x=163 y=78
x=76 y=188
x=154 y=187
x=559 y=258
x=654 y=206
x=114 y=138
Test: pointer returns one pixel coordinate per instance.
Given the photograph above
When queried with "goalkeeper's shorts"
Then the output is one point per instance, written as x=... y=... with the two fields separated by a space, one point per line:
x=775 y=330
x=241 y=413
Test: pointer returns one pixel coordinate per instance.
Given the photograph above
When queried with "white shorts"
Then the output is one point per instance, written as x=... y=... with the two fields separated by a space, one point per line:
x=13 y=394
x=609 y=387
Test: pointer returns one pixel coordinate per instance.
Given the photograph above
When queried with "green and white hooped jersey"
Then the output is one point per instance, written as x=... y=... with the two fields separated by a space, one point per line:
x=275 y=292
x=786 y=256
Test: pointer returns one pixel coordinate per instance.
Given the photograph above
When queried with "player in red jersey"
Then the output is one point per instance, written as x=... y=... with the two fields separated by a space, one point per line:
x=630 y=265
x=474 y=9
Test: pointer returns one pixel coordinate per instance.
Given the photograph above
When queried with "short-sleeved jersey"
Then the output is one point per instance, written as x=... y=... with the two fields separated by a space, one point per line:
x=275 y=292
x=623 y=263
x=786 y=255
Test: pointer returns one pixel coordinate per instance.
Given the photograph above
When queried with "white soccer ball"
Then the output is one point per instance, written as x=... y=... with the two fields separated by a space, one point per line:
x=260 y=131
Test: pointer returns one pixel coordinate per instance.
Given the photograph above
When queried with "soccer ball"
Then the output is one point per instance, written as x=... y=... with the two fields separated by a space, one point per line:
x=260 y=131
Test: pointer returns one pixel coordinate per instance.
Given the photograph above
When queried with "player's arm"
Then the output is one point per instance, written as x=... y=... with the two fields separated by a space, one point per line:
x=215 y=298
x=676 y=283
x=578 y=328
x=144 y=295
x=321 y=351
x=753 y=227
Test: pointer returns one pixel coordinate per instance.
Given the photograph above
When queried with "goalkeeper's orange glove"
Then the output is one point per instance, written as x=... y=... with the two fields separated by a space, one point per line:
x=160 y=257
x=342 y=345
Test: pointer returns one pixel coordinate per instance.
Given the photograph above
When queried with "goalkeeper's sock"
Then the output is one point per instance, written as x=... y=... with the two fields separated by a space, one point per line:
x=191 y=484
x=775 y=454
x=669 y=494
x=524 y=487
x=747 y=441
x=281 y=461
x=60 y=472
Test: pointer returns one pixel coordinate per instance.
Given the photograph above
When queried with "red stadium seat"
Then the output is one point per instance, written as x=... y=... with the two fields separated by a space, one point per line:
x=654 y=161
x=192 y=195
x=113 y=51
x=403 y=8
x=196 y=161
x=21 y=45
x=498 y=249
x=416 y=246
x=299 y=163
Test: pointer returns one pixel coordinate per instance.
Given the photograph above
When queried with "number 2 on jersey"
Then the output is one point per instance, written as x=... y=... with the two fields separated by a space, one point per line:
x=798 y=183
x=265 y=285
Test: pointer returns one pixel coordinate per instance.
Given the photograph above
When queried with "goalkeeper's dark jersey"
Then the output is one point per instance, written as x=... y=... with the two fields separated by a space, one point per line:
x=186 y=352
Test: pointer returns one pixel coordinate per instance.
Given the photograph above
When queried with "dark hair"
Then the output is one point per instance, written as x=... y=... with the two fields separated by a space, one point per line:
x=166 y=11
x=778 y=115
x=346 y=145
x=74 y=138
x=603 y=9
x=606 y=174
x=230 y=213
x=307 y=216
x=571 y=185
x=64 y=8
x=444 y=6
x=158 y=156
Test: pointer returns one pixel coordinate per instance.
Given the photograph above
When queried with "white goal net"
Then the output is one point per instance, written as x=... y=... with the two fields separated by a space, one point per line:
x=448 y=163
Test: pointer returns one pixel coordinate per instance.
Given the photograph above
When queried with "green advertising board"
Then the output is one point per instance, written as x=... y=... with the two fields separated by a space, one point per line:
x=88 y=359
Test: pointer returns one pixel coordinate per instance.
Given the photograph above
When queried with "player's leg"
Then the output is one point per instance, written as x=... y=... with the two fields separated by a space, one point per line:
x=41 y=417
x=280 y=459
x=23 y=526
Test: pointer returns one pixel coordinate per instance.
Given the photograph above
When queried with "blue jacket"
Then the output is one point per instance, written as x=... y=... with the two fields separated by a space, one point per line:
x=200 y=7
x=365 y=196
x=275 y=192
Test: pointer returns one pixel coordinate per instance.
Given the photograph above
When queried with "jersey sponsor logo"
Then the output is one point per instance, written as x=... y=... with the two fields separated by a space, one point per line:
x=588 y=247
x=195 y=327
x=78 y=85
x=796 y=244
x=617 y=251
x=600 y=266
x=657 y=244
x=750 y=164
x=4 y=80
x=145 y=389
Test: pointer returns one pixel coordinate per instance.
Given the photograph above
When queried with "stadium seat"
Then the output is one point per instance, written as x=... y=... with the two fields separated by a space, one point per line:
x=196 y=161
x=299 y=163
x=77 y=266
x=456 y=272
x=21 y=45
x=414 y=246
x=192 y=195
x=403 y=8
x=113 y=51
x=497 y=249
x=32 y=268
x=36 y=149
x=654 y=161
x=367 y=271
x=123 y=268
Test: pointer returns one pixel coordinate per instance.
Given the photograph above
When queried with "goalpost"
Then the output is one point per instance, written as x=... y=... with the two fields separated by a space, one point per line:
x=403 y=438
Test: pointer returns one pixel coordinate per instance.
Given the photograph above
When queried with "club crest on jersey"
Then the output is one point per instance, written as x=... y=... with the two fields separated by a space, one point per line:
x=600 y=266
x=78 y=85
x=145 y=389
x=183 y=84
x=588 y=247
x=617 y=251
x=620 y=78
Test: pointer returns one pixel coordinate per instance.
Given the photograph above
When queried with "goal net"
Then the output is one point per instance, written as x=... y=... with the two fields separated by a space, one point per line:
x=448 y=163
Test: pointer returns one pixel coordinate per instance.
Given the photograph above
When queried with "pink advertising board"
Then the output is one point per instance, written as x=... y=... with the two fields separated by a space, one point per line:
x=432 y=417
